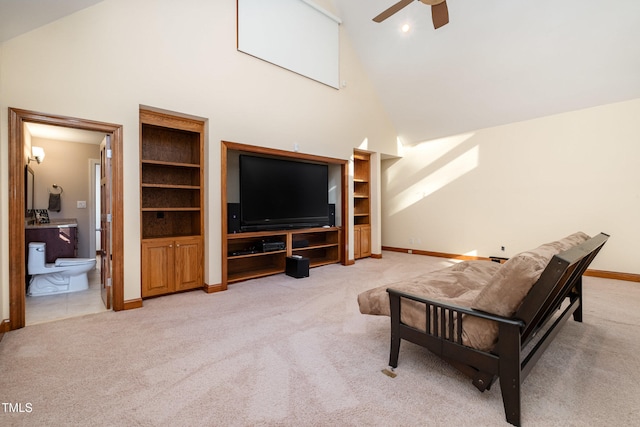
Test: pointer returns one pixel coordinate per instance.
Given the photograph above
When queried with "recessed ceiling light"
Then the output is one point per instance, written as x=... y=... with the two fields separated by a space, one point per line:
x=405 y=28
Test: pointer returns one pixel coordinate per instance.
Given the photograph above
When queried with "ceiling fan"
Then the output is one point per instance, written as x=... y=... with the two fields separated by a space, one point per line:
x=439 y=11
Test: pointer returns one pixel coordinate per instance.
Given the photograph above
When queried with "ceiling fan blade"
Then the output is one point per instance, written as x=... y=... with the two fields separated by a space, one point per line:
x=440 y=15
x=392 y=10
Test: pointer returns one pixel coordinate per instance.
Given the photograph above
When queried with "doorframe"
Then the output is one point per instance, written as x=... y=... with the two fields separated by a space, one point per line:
x=17 y=273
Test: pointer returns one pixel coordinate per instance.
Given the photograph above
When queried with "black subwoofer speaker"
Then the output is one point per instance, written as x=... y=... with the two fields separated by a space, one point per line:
x=297 y=267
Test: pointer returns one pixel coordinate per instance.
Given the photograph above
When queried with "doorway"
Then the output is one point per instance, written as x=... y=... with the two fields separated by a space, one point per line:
x=17 y=271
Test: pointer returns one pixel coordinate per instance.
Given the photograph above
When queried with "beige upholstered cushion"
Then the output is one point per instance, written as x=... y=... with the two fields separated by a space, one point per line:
x=511 y=283
x=483 y=285
x=506 y=290
x=457 y=284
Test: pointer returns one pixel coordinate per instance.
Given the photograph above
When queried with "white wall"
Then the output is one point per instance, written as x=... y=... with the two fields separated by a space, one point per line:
x=521 y=185
x=105 y=61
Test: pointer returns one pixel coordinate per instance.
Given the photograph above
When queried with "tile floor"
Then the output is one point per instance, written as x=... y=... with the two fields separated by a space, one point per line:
x=46 y=308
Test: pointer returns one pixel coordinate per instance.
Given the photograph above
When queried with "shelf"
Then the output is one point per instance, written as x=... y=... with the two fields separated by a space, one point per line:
x=322 y=246
x=328 y=245
x=249 y=267
x=170 y=209
x=254 y=274
x=177 y=187
x=168 y=236
x=170 y=196
x=245 y=235
x=170 y=164
x=230 y=257
x=169 y=222
x=319 y=255
x=361 y=221
x=153 y=173
x=170 y=147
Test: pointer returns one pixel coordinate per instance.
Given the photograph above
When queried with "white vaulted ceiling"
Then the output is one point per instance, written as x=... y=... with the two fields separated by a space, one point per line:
x=496 y=62
x=20 y=16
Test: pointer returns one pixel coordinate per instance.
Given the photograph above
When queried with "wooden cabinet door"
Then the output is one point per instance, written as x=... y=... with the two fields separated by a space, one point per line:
x=361 y=241
x=365 y=241
x=188 y=263
x=158 y=267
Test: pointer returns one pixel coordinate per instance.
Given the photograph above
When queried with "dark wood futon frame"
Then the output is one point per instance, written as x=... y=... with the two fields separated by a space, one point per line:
x=512 y=358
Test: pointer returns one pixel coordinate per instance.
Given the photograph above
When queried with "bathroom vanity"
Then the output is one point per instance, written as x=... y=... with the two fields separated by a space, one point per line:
x=60 y=235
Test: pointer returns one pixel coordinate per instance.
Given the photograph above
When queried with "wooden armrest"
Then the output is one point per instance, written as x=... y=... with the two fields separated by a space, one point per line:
x=457 y=308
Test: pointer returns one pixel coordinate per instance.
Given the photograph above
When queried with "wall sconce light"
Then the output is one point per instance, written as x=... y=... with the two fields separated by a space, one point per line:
x=37 y=153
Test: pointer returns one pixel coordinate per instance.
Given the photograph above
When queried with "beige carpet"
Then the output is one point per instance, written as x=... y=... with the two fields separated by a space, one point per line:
x=289 y=352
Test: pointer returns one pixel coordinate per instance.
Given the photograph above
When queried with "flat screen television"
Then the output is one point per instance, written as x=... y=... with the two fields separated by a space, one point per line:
x=280 y=193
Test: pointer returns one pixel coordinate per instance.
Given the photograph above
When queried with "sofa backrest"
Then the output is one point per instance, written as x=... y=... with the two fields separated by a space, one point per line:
x=531 y=288
x=561 y=278
x=508 y=287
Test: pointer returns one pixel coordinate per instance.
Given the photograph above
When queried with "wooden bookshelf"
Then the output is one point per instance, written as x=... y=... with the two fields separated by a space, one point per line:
x=171 y=202
x=361 y=204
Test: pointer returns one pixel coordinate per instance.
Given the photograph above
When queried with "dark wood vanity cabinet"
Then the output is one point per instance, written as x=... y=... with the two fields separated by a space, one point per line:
x=61 y=241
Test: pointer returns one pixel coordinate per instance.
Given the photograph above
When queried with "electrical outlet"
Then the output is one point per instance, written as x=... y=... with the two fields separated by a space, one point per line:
x=82 y=204
x=502 y=248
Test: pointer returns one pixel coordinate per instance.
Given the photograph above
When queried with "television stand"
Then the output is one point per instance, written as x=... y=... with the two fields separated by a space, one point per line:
x=322 y=247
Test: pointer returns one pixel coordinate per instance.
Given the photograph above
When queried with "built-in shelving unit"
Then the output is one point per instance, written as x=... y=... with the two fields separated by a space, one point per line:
x=246 y=260
x=361 y=204
x=172 y=202
x=243 y=256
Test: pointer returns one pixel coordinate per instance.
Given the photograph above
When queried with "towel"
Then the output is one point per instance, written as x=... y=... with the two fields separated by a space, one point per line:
x=54 y=202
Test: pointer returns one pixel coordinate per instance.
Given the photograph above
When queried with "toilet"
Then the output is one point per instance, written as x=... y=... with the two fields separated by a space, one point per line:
x=63 y=275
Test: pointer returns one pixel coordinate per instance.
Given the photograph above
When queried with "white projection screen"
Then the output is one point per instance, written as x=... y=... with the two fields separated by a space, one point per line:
x=293 y=34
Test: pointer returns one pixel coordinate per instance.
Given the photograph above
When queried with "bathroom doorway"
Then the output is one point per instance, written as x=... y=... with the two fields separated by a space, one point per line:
x=69 y=231
x=17 y=271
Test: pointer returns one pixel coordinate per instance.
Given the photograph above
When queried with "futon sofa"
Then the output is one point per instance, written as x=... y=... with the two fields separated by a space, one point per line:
x=482 y=316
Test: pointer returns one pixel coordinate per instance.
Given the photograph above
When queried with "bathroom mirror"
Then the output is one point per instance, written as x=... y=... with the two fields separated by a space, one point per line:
x=29 y=181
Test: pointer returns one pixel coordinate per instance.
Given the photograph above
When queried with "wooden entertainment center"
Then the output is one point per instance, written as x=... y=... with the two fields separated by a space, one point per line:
x=245 y=260
x=243 y=254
